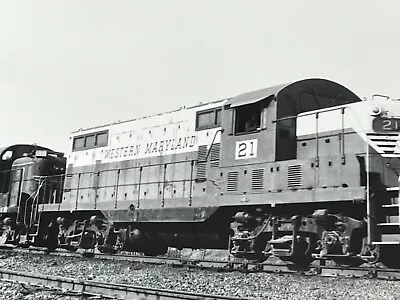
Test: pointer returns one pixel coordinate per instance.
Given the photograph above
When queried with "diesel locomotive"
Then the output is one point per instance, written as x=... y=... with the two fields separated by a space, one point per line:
x=301 y=171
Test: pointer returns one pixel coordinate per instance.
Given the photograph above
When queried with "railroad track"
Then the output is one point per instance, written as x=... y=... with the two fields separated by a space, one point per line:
x=239 y=266
x=105 y=290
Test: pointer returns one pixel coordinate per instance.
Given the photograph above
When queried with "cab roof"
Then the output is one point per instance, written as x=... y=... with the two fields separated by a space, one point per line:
x=319 y=89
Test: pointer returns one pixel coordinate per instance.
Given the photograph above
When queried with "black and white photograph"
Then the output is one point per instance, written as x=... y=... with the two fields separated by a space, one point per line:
x=199 y=149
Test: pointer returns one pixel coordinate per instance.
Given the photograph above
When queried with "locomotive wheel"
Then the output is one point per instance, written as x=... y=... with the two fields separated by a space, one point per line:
x=258 y=255
x=107 y=249
x=156 y=250
x=71 y=248
x=6 y=237
x=3 y=238
x=88 y=240
x=51 y=243
x=259 y=251
x=50 y=237
x=349 y=261
x=299 y=260
x=261 y=247
x=302 y=256
x=89 y=254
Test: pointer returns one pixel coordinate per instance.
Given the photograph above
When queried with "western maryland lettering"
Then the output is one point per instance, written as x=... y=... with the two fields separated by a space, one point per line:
x=172 y=144
x=146 y=149
x=125 y=151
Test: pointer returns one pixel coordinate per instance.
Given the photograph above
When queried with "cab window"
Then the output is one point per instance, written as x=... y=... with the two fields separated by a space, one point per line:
x=218 y=113
x=79 y=143
x=248 y=119
x=208 y=119
x=286 y=128
x=90 y=141
x=205 y=119
x=102 y=139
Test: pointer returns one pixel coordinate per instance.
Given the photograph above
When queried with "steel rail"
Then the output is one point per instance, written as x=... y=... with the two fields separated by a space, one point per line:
x=241 y=266
x=106 y=290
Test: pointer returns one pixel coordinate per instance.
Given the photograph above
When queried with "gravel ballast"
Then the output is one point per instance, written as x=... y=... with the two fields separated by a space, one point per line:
x=245 y=286
x=16 y=291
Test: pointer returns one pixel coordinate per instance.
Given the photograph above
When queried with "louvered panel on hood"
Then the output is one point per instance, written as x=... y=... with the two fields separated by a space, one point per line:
x=257 y=179
x=201 y=169
x=232 y=184
x=214 y=155
x=202 y=153
x=294 y=176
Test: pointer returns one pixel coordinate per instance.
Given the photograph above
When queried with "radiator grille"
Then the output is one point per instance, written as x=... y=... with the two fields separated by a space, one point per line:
x=202 y=153
x=232 y=185
x=294 y=176
x=201 y=170
x=214 y=155
x=257 y=179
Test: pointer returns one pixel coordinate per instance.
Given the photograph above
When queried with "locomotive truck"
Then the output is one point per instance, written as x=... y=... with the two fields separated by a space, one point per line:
x=301 y=171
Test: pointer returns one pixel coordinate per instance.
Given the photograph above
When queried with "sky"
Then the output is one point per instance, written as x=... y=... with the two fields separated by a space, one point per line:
x=72 y=64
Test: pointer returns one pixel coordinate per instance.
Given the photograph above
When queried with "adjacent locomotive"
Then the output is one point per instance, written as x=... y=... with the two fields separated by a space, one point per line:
x=28 y=175
x=300 y=171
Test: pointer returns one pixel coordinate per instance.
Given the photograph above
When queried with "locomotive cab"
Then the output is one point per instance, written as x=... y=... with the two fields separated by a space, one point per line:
x=283 y=162
x=9 y=158
x=262 y=124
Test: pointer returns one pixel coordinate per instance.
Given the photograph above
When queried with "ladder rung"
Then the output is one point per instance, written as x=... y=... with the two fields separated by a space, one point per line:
x=395 y=188
x=386 y=243
x=389 y=224
x=391 y=205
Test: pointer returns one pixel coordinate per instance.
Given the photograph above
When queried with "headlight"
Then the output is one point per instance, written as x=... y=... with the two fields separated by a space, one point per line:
x=376 y=111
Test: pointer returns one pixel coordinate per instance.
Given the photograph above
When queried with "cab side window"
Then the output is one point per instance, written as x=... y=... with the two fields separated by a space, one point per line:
x=286 y=128
x=248 y=119
x=102 y=139
x=208 y=119
x=90 y=141
x=79 y=143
